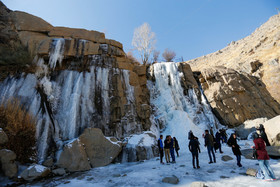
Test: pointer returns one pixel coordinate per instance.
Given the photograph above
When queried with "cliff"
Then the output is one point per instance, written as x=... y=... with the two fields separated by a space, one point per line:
x=255 y=57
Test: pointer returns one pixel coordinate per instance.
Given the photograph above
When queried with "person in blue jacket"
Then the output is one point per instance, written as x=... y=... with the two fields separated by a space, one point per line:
x=160 y=148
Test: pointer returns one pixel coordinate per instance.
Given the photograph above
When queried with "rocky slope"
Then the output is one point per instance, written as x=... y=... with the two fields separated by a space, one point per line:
x=256 y=56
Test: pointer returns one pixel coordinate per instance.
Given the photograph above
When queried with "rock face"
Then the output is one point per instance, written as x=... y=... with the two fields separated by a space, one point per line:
x=79 y=79
x=257 y=55
x=236 y=97
x=7 y=160
x=91 y=149
x=35 y=172
x=272 y=130
x=3 y=137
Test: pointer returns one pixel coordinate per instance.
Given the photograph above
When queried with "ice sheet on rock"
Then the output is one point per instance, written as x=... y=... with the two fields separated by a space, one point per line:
x=141 y=140
x=176 y=112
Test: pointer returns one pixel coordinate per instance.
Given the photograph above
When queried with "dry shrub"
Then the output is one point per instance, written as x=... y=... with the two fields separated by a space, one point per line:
x=20 y=126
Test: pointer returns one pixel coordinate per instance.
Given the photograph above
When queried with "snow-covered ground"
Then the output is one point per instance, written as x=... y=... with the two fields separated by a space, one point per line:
x=151 y=172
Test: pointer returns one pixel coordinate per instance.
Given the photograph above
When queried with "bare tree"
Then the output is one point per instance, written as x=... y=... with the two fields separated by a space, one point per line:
x=168 y=55
x=155 y=55
x=144 y=41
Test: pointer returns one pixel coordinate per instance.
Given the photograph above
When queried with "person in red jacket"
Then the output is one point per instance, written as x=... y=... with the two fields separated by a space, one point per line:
x=263 y=157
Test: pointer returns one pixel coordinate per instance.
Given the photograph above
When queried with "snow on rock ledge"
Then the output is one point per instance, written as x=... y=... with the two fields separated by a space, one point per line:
x=140 y=147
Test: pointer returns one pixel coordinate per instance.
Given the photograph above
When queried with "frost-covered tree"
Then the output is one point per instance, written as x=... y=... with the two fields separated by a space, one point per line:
x=168 y=55
x=144 y=41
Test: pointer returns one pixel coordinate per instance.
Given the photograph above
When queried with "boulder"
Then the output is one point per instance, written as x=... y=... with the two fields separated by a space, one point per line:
x=3 y=137
x=100 y=150
x=248 y=127
x=7 y=162
x=59 y=171
x=35 y=172
x=226 y=158
x=198 y=184
x=273 y=151
x=73 y=157
x=251 y=172
x=140 y=147
x=272 y=129
x=171 y=180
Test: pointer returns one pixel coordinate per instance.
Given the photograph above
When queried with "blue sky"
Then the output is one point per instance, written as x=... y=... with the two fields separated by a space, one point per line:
x=191 y=28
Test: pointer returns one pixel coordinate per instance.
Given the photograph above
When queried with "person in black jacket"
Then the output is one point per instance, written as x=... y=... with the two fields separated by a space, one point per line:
x=177 y=147
x=167 y=143
x=194 y=149
x=218 y=138
x=235 y=148
x=160 y=148
x=209 y=143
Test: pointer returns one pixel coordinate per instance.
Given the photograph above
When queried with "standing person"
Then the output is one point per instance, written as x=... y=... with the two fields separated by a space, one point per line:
x=263 y=157
x=209 y=143
x=218 y=138
x=160 y=148
x=224 y=135
x=172 y=147
x=194 y=149
x=263 y=134
x=166 y=149
x=177 y=148
x=235 y=148
x=190 y=135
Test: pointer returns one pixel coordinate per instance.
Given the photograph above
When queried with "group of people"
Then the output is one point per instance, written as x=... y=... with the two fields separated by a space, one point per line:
x=213 y=143
x=168 y=146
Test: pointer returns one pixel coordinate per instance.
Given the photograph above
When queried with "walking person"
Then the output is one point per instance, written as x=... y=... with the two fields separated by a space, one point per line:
x=166 y=149
x=218 y=138
x=261 y=131
x=194 y=149
x=172 y=147
x=160 y=148
x=209 y=143
x=177 y=147
x=263 y=157
x=235 y=148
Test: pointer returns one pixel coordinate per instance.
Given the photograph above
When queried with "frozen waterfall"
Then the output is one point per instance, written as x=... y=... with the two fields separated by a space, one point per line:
x=175 y=113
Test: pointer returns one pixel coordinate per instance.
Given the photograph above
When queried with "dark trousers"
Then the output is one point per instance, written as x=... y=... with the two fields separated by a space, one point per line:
x=195 y=157
x=161 y=154
x=238 y=158
x=177 y=152
x=220 y=147
x=172 y=154
x=211 y=150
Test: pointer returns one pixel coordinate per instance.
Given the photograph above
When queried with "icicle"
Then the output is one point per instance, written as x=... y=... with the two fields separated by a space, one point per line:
x=56 y=53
